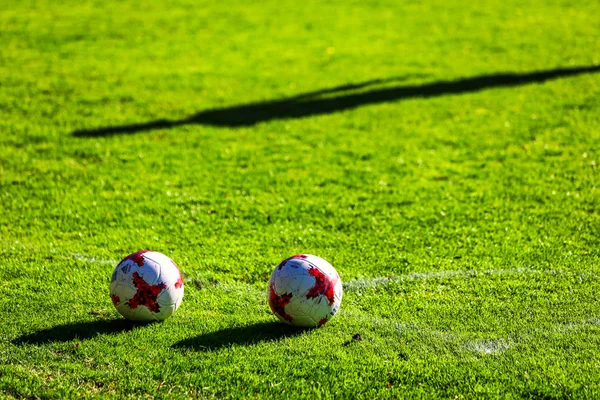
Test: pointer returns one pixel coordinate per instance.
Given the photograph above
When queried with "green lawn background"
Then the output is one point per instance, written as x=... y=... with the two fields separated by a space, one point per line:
x=481 y=208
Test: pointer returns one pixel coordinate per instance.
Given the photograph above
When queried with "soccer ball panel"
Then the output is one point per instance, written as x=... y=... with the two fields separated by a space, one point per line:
x=305 y=321
x=150 y=272
x=169 y=298
x=141 y=314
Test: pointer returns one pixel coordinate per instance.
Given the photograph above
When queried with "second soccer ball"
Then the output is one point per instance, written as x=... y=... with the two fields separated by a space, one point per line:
x=305 y=291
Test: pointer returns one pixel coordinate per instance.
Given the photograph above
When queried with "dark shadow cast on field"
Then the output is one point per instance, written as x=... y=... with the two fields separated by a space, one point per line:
x=242 y=335
x=339 y=99
x=77 y=330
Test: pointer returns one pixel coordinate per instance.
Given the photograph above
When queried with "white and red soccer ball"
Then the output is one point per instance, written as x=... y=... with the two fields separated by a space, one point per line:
x=305 y=291
x=146 y=286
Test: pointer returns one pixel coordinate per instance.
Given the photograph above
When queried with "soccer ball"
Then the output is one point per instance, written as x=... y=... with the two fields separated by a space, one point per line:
x=146 y=286
x=305 y=291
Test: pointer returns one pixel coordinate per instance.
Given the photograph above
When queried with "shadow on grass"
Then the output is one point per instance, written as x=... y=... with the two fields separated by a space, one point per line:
x=242 y=335
x=78 y=330
x=339 y=98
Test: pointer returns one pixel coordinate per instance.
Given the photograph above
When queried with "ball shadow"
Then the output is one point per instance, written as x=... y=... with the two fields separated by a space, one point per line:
x=78 y=330
x=242 y=335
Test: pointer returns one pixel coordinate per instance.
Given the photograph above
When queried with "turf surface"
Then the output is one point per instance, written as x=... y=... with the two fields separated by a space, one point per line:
x=442 y=156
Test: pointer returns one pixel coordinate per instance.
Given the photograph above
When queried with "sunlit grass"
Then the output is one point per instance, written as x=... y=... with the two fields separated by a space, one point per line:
x=463 y=220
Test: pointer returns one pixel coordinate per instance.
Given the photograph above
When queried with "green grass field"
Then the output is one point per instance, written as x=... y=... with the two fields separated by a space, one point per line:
x=442 y=155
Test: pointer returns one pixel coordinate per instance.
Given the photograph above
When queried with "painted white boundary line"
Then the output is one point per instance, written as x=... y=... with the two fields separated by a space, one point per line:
x=366 y=283
x=93 y=260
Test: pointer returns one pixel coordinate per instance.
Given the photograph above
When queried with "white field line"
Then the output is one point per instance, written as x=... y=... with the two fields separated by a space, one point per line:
x=488 y=346
x=574 y=325
x=359 y=284
x=483 y=346
x=394 y=327
x=54 y=252
x=92 y=259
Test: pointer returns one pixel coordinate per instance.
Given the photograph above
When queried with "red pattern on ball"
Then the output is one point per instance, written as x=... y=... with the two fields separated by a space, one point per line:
x=301 y=256
x=324 y=285
x=179 y=282
x=146 y=294
x=137 y=258
x=278 y=303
